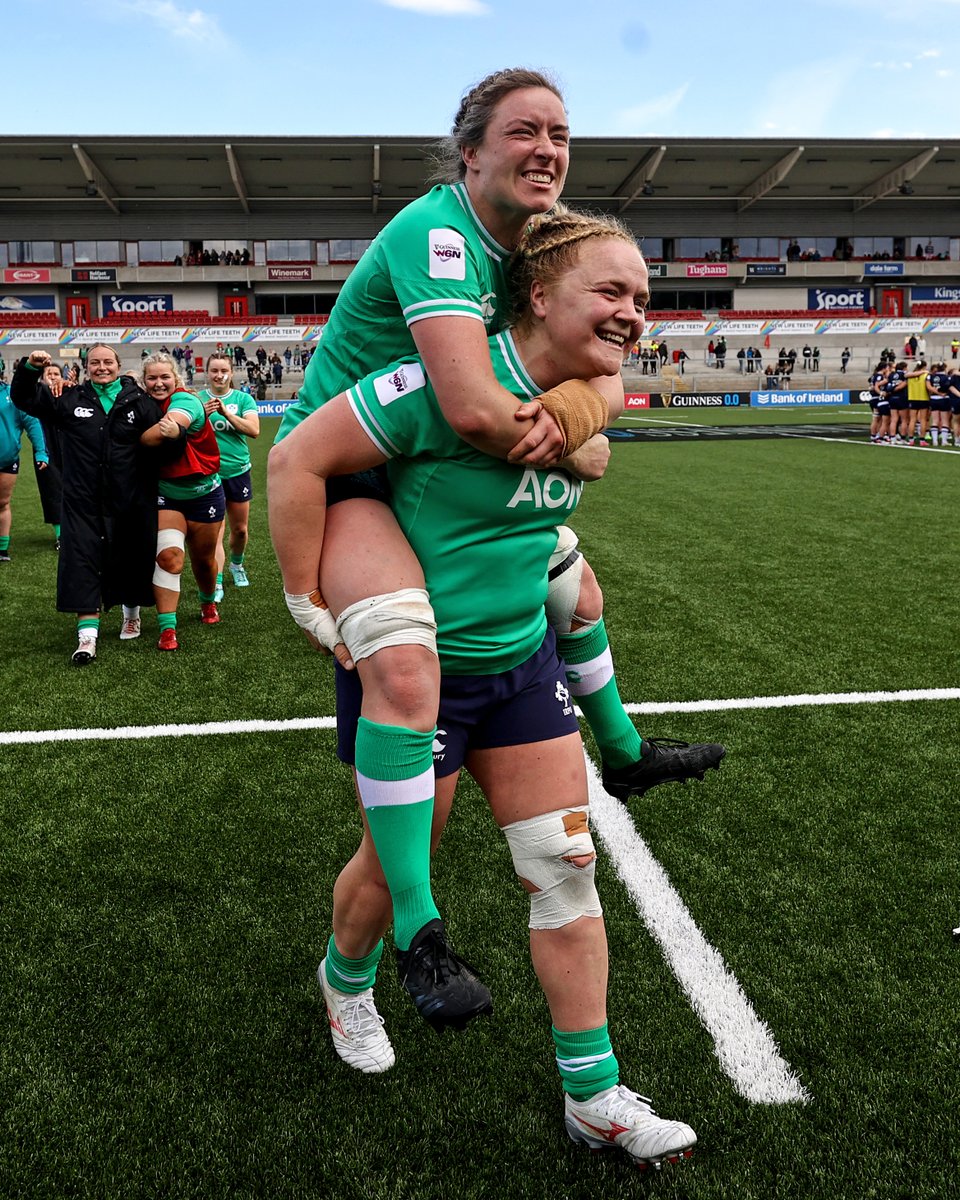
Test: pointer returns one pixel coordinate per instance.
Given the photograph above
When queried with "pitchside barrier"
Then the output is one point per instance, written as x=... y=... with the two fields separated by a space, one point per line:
x=774 y=399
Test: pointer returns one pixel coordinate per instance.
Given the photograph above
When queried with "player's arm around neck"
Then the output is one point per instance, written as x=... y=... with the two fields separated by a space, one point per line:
x=456 y=358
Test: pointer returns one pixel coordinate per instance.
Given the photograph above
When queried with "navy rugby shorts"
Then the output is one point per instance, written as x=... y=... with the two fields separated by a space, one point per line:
x=205 y=510
x=239 y=488
x=530 y=703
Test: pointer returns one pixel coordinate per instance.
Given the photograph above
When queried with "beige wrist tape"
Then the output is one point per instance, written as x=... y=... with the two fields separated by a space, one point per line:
x=578 y=409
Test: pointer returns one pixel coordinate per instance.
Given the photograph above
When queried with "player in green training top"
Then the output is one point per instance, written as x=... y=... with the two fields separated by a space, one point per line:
x=234 y=419
x=433 y=283
x=484 y=531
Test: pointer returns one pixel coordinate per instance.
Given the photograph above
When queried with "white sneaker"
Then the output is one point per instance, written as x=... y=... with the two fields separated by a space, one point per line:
x=619 y=1117
x=130 y=629
x=85 y=652
x=356 y=1028
x=239 y=573
x=218 y=594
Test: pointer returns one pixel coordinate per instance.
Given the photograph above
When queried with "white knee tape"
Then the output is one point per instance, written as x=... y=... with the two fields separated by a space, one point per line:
x=403 y=618
x=168 y=539
x=563 y=575
x=541 y=847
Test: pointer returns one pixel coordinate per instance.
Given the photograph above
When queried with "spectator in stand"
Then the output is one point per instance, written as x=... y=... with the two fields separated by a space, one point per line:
x=710 y=352
x=276 y=368
x=741 y=359
x=645 y=356
x=261 y=357
x=239 y=355
x=791 y=359
x=748 y=358
x=793 y=251
x=682 y=357
x=720 y=352
x=288 y=357
x=662 y=352
x=844 y=359
x=807 y=354
x=954 y=347
x=245 y=257
x=13 y=425
x=815 y=358
x=109 y=529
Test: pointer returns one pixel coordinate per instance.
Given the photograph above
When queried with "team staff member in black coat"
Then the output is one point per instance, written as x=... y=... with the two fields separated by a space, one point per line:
x=109 y=521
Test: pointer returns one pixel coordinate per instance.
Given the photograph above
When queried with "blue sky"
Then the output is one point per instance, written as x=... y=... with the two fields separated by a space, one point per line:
x=824 y=68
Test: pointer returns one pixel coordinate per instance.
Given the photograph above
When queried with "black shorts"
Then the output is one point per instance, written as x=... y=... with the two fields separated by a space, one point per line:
x=530 y=703
x=239 y=488
x=12 y=468
x=363 y=485
x=205 y=510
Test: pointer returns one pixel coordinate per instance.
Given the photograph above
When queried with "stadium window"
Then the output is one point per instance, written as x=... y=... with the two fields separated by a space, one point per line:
x=762 y=247
x=697 y=248
x=289 y=250
x=323 y=254
x=4 y=255
x=96 y=252
x=933 y=247
x=347 y=250
x=32 y=252
x=652 y=247
x=159 y=251
x=873 y=247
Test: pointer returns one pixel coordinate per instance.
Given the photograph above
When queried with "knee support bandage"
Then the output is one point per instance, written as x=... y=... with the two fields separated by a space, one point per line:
x=168 y=539
x=541 y=848
x=403 y=618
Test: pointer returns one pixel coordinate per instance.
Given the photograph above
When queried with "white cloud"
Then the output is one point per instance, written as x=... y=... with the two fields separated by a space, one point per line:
x=442 y=8
x=194 y=25
x=641 y=118
x=929 y=54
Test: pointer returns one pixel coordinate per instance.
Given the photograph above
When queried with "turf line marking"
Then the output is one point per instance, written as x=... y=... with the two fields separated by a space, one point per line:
x=800 y=701
x=813 y=437
x=744 y=1043
x=16 y=737
x=138 y=732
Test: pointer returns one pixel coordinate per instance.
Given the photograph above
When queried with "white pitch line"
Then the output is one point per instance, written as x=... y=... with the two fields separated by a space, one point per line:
x=138 y=732
x=744 y=1044
x=16 y=737
x=820 y=700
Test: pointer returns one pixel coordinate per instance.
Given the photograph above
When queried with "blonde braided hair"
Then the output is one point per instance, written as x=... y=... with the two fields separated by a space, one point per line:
x=548 y=248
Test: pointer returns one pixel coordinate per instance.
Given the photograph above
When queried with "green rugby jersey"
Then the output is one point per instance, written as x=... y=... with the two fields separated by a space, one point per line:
x=234 y=446
x=482 y=529
x=434 y=259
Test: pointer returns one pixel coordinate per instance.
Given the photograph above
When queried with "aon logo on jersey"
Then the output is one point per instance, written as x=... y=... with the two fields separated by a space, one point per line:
x=553 y=489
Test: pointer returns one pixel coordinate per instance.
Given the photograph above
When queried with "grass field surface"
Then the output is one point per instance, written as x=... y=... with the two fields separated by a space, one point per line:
x=782 y=972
